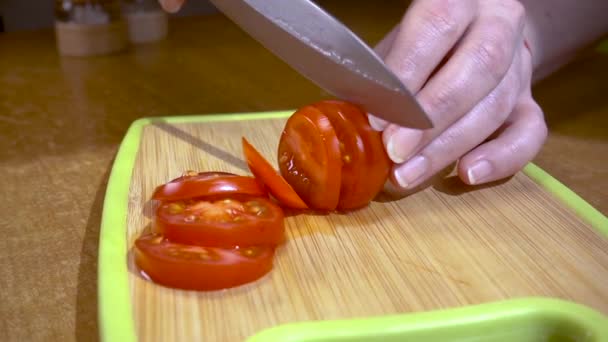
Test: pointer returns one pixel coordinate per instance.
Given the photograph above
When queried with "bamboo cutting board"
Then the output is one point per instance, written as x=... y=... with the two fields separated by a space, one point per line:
x=448 y=246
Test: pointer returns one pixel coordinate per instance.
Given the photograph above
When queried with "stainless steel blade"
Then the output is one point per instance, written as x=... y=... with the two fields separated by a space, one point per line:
x=327 y=53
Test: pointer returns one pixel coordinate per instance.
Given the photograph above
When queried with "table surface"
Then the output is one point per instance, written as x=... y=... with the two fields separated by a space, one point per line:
x=62 y=120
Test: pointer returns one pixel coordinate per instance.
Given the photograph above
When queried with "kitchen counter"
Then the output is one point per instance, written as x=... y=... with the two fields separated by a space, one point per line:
x=62 y=120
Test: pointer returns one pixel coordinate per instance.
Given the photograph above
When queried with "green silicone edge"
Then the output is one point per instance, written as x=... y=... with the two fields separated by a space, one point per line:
x=439 y=321
x=115 y=311
x=581 y=207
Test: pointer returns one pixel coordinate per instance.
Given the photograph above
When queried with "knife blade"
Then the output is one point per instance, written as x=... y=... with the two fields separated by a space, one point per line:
x=327 y=53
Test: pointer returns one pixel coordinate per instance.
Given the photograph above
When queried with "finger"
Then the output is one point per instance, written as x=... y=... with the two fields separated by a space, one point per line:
x=522 y=138
x=428 y=31
x=476 y=67
x=171 y=6
x=464 y=135
x=384 y=46
x=382 y=49
x=414 y=48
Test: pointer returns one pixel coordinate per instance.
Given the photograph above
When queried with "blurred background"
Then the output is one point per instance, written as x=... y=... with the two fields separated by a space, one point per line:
x=17 y=15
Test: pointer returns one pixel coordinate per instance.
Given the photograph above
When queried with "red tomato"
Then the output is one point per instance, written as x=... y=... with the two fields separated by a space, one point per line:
x=375 y=165
x=276 y=184
x=309 y=158
x=352 y=151
x=222 y=223
x=201 y=175
x=200 y=268
x=208 y=185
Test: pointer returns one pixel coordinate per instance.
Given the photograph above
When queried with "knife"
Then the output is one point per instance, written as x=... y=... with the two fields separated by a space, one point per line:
x=328 y=54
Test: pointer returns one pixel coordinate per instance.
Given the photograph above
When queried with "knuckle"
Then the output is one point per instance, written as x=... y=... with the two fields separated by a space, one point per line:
x=450 y=141
x=539 y=126
x=440 y=102
x=533 y=136
x=442 y=20
x=517 y=11
x=494 y=52
x=502 y=109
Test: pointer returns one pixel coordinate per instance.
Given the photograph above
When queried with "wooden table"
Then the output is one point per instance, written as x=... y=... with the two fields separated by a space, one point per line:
x=62 y=119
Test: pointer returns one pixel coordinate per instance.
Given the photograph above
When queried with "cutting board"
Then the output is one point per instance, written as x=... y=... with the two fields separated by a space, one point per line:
x=446 y=248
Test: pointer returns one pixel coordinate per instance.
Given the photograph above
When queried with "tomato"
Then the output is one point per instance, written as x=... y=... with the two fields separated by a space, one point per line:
x=366 y=165
x=201 y=175
x=208 y=185
x=309 y=158
x=276 y=184
x=352 y=151
x=221 y=223
x=200 y=268
x=376 y=163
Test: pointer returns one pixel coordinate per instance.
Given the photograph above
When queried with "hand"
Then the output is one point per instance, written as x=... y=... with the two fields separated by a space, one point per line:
x=468 y=64
x=171 y=6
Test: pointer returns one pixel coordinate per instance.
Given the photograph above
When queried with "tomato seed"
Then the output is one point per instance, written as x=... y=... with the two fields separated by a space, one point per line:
x=189 y=173
x=346 y=158
x=176 y=208
x=284 y=158
x=250 y=252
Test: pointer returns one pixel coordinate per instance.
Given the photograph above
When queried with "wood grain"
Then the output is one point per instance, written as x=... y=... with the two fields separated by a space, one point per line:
x=62 y=120
x=443 y=247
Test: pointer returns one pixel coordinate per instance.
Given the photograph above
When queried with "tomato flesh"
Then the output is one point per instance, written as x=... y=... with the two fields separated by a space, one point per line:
x=309 y=158
x=217 y=230
x=376 y=164
x=221 y=223
x=203 y=186
x=190 y=175
x=277 y=185
x=352 y=151
x=200 y=268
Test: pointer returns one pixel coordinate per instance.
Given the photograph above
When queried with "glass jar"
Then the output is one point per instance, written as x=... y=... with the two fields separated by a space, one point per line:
x=89 y=27
x=90 y=12
x=147 y=21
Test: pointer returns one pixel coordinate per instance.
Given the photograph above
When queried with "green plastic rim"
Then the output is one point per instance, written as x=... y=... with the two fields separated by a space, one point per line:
x=115 y=309
x=522 y=319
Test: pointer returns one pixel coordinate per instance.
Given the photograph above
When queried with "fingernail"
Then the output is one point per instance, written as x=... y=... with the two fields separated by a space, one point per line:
x=408 y=174
x=479 y=171
x=171 y=6
x=403 y=143
x=376 y=123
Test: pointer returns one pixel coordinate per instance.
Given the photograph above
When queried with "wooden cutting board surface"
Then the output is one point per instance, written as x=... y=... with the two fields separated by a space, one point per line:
x=446 y=246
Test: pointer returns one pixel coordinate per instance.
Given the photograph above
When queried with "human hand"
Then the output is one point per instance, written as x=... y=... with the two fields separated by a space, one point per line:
x=469 y=66
x=171 y=6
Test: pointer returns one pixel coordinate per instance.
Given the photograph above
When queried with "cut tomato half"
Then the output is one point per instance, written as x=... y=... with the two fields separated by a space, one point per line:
x=309 y=158
x=200 y=268
x=221 y=223
x=352 y=151
x=276 y=184
x=207 y=185
x=376 y=164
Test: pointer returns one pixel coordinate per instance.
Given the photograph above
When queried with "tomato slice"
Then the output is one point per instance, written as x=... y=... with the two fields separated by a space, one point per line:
x=309 y=158
x=208 y=185
x=200 y=268
x=375 y=165
x=352 y=150
x=221 y=223
x=277 y=185
x=190 y=175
